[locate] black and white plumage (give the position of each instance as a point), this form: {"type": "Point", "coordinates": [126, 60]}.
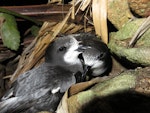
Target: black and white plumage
{"type": "Point", "coordinates": [94, 61]}
{"type": "Point", "coordinates": [64, 52]}
{"type": "Point", "coordinates": [43, 87]}
{"type": "Point", "coordinates": [86, 42]}
{"type": "Point", "coordinates": [96, 54]}
{"type": "Point", "coordinates": [37, 90]}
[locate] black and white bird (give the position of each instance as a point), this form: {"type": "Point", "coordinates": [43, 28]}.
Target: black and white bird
{"type": "Point", "coordinates": [43, 87]}
{"type": "Point", "coordinates": [93, 48]}
{"type": "Point", "coordinates": [94, 63]}
{"type": "Point", "coordinates": [39, 89]}
{"type": "Point", "coordinates": [64, 51]}
{"type": "Point", "coordinates": [96, 54]}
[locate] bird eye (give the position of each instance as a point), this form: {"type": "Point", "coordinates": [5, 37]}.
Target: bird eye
{"type": "Point", "coordinates": [63, 48]}
{"type": "Point", "coordinates": [100, 56]}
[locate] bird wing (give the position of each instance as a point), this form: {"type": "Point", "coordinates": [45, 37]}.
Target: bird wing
{"type": "Point", "coordinates": [21, 103]}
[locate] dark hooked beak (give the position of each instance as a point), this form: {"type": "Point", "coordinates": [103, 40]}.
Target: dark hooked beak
{"type": "Point", "coordinates": [86, 69]}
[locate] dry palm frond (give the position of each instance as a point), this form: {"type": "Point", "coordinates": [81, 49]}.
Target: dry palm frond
{"type": "Point", "coordinates": [73, 10]}
{"type": "Point", "coordinates": [35, 51]}
{"type": "Point", "coordinates": [85, 4]}
{"type": "Point", "coordinates": [99, 8]}
{"type": "Point", "coordinates": [99, 14]}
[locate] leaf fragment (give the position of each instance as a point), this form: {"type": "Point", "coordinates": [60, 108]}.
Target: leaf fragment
{"type": "Point", "coordinates": [99, 8]}
{"type": "Point", "coordinates": [9, 32]}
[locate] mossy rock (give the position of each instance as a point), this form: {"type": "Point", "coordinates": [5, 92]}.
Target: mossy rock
{"type": "Point", "coordinates": [140, 53]}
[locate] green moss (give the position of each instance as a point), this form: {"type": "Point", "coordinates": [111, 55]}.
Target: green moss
{"type": "Point", "coordinates": [120, 83]}
{"type": "Point", "coordinates": [119, 41]}
{"type": "Point", "coordinates": [128, 30]}
{"type": "Point", "coordinates": [9, 32]}
{"type": "Point", "coordinates": [123, 82]}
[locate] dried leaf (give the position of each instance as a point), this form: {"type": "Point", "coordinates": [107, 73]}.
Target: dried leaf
{"type": "Point", "coordinates": [99, 8]}
{"type": "Point", "coordinates": [73, 10]}
{"type": "Point", "coordinates": [76, 88]}
{"type": "Point", "coordinates": [41, 43]}
{"type": "Point", "coordinates": [85, 4]}
{"type": "Point", "coordinates": [75, 29]}
{"type": "Point", "coordinates": [68, 27]}
{"type": "Point", "coordinates": [120, 83]}
{"type": "Point", "coordinates": [63, 105]}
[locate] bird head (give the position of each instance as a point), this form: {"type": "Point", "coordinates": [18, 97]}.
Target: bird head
{"type": "Point", "coordinates": [64, 51]}
{"type": "Point", "coordinates": [95, 58]}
